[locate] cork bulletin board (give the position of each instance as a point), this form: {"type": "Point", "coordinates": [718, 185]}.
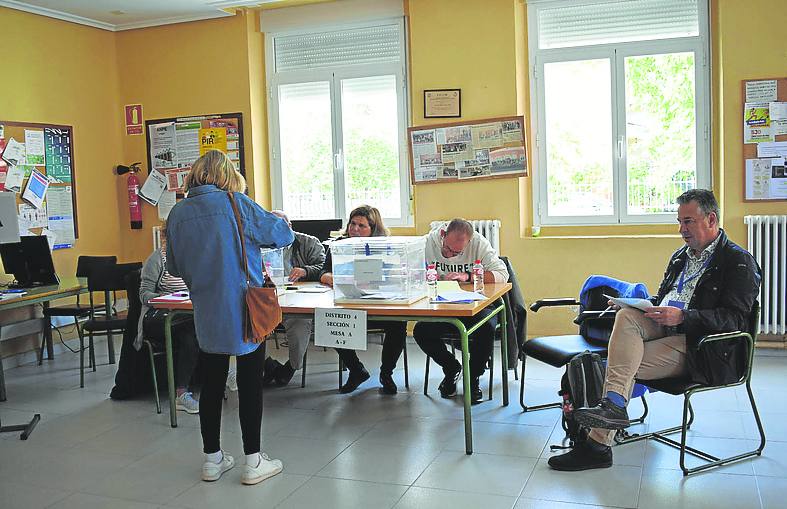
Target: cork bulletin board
{"type": "Point", "coordinates": [469, 150]}
{"type": "Point", "coordinates": [44, 154]}
{"type": "Point", "coordinates": [764, 120]}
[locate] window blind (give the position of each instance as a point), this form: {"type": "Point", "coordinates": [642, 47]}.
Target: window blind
{"type": "Point", "coordinates": [568, 24]}
{"type": "Point", "coordinates": [319, 50]}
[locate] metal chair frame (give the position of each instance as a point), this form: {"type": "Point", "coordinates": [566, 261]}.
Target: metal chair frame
{"type": "Point", "coordinates": [688, 412]}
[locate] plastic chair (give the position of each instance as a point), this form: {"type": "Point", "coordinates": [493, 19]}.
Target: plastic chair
{"type": "Point", "coordinates": [85, 264]}
{"type": "Point", "coordinates": [106, 280]}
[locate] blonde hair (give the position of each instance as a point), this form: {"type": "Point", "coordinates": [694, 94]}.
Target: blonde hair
{"type": "Point", "coordinates": [373, 216]}
{"type": "Point", "coordinates": [215, 168]}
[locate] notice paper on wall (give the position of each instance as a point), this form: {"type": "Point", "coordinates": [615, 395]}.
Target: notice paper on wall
{"type": "Point", "coordinates": [34, 146]}
{"type": "Point", "coordinates": [31, 217]}
{"type": "Point", "coordinates": [14, 178]}
{"type": "Point", "coordinates": [761, 91]}
{"type": "Point", "coordinates": [165, 204]}
{"type": "Point", "coordinates": [766, 179]}
{"type": "Point", "coordinates": [14, 152]}
{"type": "Point", "coordinates": [757, 123]}
{"type": "Point", "coordinates": [36, 189]}
{"type": "Point", "coordinates": [60, 212]}
{"type": "Point", "coordinates": [153, 187]}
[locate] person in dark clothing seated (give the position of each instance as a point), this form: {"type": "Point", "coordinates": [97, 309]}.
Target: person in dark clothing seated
{"type": "Point", "coordinates": [709, 287]}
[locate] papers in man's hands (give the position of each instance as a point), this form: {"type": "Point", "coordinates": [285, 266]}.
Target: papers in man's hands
{"type": "Point", "coordinates": [641, 304]}
{"type": "Point", "coordinates": [457, 297]}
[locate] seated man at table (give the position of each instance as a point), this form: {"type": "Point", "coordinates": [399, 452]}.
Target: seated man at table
{"type": "Point", "coordinates": [710, 286]}
{"type": "Point", "coordinates": [453, 249]}
{"type": "Point", "coordinates": [303, 260]}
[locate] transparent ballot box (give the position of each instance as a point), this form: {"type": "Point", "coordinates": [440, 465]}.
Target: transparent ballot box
{"type": "Point", "coordinates": [381, 270]}
{"type": "Point", "coordinates": [273, 265]}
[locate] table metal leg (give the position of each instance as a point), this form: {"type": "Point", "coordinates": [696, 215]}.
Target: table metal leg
{"type": "Point", "coordinates": [466, 387]}
{"type": "Point", "coordinates": [173, 417]}
{"type": "Point", "coordinates": [47, 326]}
{"type": "Point", "coordinates": [504, 354]}
{"type": "Point", "coordinates": [2, 382]}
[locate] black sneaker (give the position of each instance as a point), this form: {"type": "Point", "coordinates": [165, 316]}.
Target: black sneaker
{"type": "Point", "coordinates": [388, 386]}
{"type": "Point", "coordinates": [284, 373]}
{"type": "Point", "coordinates": [447, 387]}
{"type": "Point", "coordinates": [354, 379]}
{"type": "Point", "coordinates": [584, 456]}
{"type": "Point", "coordinates": [269, 370]}
{"type": "Point", "coordinates": [476, 396]}
{"type": "Point", "coordinates": [606, 415]}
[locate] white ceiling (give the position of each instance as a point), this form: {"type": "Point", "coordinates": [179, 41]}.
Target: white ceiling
{"type": "Point", "coordinates": [117, 15]}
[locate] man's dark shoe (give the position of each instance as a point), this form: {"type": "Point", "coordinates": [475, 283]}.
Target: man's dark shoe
{"type": "Point", "coordinates": [269, 370]}
{"type": "Point", "coordinates": [476, 396]}
{"type": "Point", "coordinates": [284, 374]}
{"type": "Point", "coordinates": [354, 379]}
{"type": "Point", "coordinates": [584, 456]}
{"type": "Point", "coordinates": [447, 387]}
{"type": "Point", "coordinates": [606, 415]}
{"type": "Point", "coordinates": [388, 386]}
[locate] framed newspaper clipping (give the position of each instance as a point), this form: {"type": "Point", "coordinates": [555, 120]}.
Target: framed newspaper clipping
{"type": "Point", "coordinates": [480, 149]}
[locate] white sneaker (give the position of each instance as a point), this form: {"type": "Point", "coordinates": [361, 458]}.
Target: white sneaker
{"type": "Point", "coordinates": [212, 471]}
{"type": "Point", "coordinates": [232, 380]}
{"type": "Point", "coordinates": [266, 468]}
{"type": "Point", "coordinates": [187, 403]}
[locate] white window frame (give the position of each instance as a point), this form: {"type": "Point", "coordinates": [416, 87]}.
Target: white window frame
{"type": "Point", "coordinates": [616, 52]}
{"type": "Point", "coordinates": [334, 76]}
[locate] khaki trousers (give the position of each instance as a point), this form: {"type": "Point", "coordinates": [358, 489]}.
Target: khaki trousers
{"type": "Point", "coordinates": [639, 348]}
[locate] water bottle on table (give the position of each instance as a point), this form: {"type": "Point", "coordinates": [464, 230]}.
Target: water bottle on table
{"type": "Point", "coordinates": [478, 276]}
{"type": "Point", "coordinates": [431, 281]}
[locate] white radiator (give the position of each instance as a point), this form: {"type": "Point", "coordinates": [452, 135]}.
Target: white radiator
{"type": "Point", "coordinates": [767, 242]}
{"type": "Point", "coordinates": [489, 228]}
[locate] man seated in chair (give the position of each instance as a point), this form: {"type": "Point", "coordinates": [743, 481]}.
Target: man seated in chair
{"type": "Point", "coordinates": [709, 287]}
{"type": "Point", "coordinates": [453, 249]}
{"type": "Point", "coordinates": [303, 259]}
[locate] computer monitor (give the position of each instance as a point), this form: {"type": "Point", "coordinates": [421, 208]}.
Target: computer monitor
{"type": "Point", "coordinates": [30, 261]}
{"type": "Point", "coordinates": [320, 228]}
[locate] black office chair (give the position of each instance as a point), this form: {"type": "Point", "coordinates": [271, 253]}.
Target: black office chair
{"type": "Point", "coordinates": [595, 326]}
{"type": "Point", "coordinates": [78, 310]}
{"type": "Point", "coordinates": [107, 280]}
{"type": "Point", "coordinates": [735, 350]}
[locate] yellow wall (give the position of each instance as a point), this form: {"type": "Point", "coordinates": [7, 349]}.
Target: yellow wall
{"type": "Point", "coordinates": [217, 66]}
{"type": "Point", "coordinates": [63, 73]}
{"type": "Point", "coordinates": [204, 67]}
{"type": "Point", "coordinates": [742, 54]}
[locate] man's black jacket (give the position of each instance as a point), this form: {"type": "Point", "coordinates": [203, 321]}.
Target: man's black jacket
{"type": "Point", "coordinates": [724, 295]}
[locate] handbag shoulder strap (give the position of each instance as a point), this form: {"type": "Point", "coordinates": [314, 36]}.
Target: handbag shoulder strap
{"type": "Point", "coordinates": [244, 260]}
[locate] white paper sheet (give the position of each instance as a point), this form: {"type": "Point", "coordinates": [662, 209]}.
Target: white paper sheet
{"type": "Point", "coordinates": [35, 192]}
{"type": "Point", "coordinates": [34, 146]}
{"type": "Point", "coordinates": [153, 187]}
{"type": "Point", "coordinates": [165, 204]}
{"type": "Point", "coordinates": [14, 152]}
{"type": "Point", "coordinates": [60, 211]}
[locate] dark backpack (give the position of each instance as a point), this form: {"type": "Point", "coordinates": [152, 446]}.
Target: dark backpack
{"type": "Point", "coordinates": [582, 385]}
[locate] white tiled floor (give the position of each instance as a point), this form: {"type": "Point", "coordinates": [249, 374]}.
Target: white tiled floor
{"type": "Point", "coordinates": [368, 450]}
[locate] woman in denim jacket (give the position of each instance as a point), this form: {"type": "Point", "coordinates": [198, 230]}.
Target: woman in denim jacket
{"type": "Point", "coordinates": [204, 249]}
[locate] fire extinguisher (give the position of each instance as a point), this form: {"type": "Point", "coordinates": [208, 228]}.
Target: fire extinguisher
{"type": "Point", "coordinates": [132, 184]}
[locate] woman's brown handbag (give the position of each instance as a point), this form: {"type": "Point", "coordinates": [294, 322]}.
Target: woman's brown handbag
{"type": "Point", "coordinates": [263, 312]}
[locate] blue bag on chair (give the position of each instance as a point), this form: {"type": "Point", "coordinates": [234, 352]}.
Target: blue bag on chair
{"type": "Point", "coordinates": [622, 289]}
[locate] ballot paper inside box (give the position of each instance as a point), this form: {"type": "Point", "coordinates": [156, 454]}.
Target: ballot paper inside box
{"type": "Point", "coordinates": [379, 270]}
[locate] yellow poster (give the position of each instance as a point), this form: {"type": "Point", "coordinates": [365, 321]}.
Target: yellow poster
{"type": "Point", "coordinates": [211, 138]}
